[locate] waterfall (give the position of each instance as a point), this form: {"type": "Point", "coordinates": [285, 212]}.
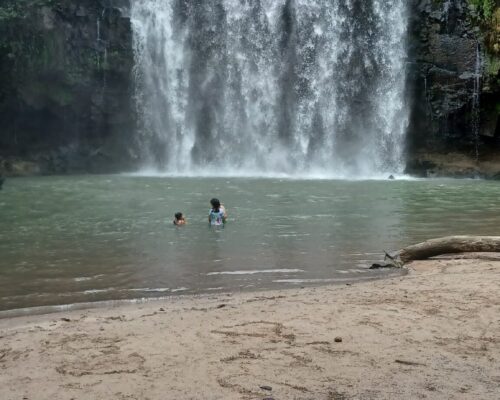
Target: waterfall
{"type": "Point", "coordinates": [476, 99]}
{"type": "Point", "coordinates": [257, 87]}
{"type": "Point", "coordinates": [446, 12]}
{"type": "Point", "coordinates": [98, 56]}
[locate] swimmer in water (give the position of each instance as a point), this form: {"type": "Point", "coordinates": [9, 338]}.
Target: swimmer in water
{"type": "Point", "coordinates": [179, 219]}
{"type": "Point", "coordinates": [217, 215]}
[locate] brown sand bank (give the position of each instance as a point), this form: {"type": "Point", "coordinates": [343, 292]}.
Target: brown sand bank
{"type": "Point", "coordinates": [433, 334]}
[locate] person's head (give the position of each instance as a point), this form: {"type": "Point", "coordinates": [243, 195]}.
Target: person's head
{"type": "Point", "coordinates": [215, 204]}
{"type": "Point", "coordinates": [179, 216]}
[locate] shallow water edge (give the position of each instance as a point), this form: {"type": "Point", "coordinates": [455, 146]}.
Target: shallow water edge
{"type": "Point", "coordinates": [111, 304]}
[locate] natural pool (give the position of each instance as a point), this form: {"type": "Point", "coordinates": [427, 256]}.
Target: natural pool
{"type": "Point", "coordinates": [76, 239]}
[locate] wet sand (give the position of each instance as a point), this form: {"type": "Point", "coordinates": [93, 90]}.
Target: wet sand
{"type": "Point", "coordinates": [432, 334]}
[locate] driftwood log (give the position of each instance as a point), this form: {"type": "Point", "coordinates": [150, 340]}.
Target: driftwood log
{"type": "Point", "coordinates": [440, 246]}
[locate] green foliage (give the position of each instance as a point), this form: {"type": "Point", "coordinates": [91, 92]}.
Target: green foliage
{"type": "Point", "coordinates": [485, 8]}
{"type": "Point", "coordinates": [492, 65]}
{"type": "Point", "coordinates": [15, 9]}
{"type": "Point", "coordinates": [8, 12]}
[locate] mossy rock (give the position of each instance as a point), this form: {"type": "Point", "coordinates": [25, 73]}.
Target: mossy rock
{"type": "Point", "coordinates": [17, 167]}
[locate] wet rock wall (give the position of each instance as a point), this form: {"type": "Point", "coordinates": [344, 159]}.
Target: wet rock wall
{"type": "Point", "coordinates": [454, 88]}
{"type": "Point", "coordinates": [66, 95]}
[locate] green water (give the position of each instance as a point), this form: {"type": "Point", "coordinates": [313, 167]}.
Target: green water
{"type": "Point", "coordinates": [65, 240]}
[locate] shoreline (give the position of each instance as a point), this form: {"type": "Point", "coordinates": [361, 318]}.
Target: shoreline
{"type": "Point", "coordinates": [433, 333]}
{"type": "Point", "coordinates": [117, 303]}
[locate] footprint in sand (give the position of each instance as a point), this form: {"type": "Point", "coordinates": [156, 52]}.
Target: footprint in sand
{"type": "Point", "coordinates": [273, 331]}
{"type": "Point", "coordinates": [85, 355]}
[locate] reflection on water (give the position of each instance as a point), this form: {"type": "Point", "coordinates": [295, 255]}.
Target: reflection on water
{"type": "Point", "coordinates": [80, 239]}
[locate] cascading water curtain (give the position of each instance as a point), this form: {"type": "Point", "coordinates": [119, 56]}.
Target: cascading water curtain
{"type": "Point", "coordinates": [266, 87]}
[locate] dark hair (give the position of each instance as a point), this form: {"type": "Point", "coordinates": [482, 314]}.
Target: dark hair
{"type": "Point", "coordinates": [178, 215]}
{"type": "Point", "coordinates": [215, 204]}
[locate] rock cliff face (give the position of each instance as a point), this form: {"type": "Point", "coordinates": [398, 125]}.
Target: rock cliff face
{"type": "Point", "coordinates": [65, 86]}
{"type": "Point", "coordinates": [454, 88]}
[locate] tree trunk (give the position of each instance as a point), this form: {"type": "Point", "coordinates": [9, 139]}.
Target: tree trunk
{"type": "Point", "coordinates": [445, 245]}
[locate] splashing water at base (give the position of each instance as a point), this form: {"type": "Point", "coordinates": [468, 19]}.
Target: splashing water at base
{"type": "Point", "coordinates": [268, 87]}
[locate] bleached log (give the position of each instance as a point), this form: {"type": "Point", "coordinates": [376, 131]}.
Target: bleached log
{"type": "Point", "coordinates": [444, 245]}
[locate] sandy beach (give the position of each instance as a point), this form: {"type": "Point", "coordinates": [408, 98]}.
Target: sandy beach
{"type": "Point", "coordinates": [432, 334]}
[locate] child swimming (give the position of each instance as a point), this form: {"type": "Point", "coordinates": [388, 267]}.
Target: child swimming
{"type": "Point", "coordinates": [217, 215]}
{"type": "Point", "coordinates": [179, 219]}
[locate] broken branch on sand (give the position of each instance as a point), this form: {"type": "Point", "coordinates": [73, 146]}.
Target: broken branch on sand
{"type": "Point", "coordinates": [437, 247]}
